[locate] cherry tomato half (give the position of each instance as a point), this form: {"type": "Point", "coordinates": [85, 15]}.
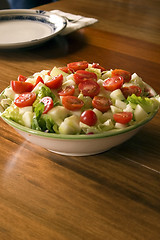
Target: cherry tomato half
{"type": "Point", "coordinates": [96, 65]}
{"type": "Point", "coordinates": [128, 91]}
{"type": "Point", "coordinates": [88, 117]}
{"type": "Point", "coordinates": [21, 78]}
{"type": "Point", "coordinates": [55, 82]}
{"type": "Point", "coordinates": [66, 70]}
{"type": "Point", "coordinates": [113, 83]}
{"type": "Point", "coordinates": [123, 117]}
{"type": "Point", "coordinates": [21, 87]}
{"type": "Point", "coordinates": [122, 73]}
{"type": "Point", "coordinates": [68, 91]}
{"type": "Point", "coordinates": [25, 99]}
{"type": "Point", "coordinates": [101, 103]}
{"type": "Point", "coordinates": [39, 79]}
{"type": "Point", "coordinates": [48, 104]}
{"type": "Point", "coordinates": [49, 73]}
{"type": "Point", "coordinates": [78, 65]}
{"type": "Point", "coordinates": [89, 88]}
{"type": "Point", "coordinates": [82, 75]}
{"type": "Point", "coordinates": [72, 103]}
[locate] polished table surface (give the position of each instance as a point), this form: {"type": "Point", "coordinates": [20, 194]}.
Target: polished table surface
{"type": "Point", "coordinates": [114, 195]}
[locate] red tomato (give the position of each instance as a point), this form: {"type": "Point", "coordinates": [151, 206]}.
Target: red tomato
{"type": "Point", "coordinates": [48, 104]}
{"type": "Point", "coordinates": [49, 73]}
{"type": "Point", "coordinates": [21, 78]}
{"type": "Point", "coordinates": [21, 87]}
{"type": "Point", "coordinates": [101, 103]}
{"type": "Point", "coordinates": [82, 75]}
{"type": "Point", "coordinates": [66, 70]}
{"type": "Point", "coordinates": [113, 83]}
{"type": "Point", "coordinates": [96, 65]}
{"type": "Point", "coordinates": [128, 91]}
{"type": "Point", "coordinates": [88, 117]}
{"type": "Point", "coordinates": [89, 88]}
{"type": "Point", "coordinates": [123, 117]}
{"type": "Point", "coordinates": [39, 79]}
{"type": "Point", "coordinates": [55, 82]}
{"type": "Point", "coordinates": [122, 73]}
{"type": "Point", "coordinates": [25, 99]}
{"type": "Point", "coordinates": [72, 103]}
{"type": "Point", "coordinates": [78, 65]}
{"type": "Point", "coordinates": [68, 91]}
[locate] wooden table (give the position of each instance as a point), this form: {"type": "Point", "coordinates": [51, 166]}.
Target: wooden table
{"type": "Point", "coordinates": [110, 196]}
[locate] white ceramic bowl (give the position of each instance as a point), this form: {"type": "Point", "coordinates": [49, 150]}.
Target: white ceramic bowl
{"type": "Point", "coordinates": [78, 145]}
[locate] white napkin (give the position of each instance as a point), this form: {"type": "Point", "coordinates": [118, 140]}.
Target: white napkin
{"type": "Point", "coordinates": [74, 22]}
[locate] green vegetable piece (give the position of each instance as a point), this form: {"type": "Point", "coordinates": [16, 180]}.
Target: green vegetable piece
{"type": "Point", "coordinates": [39, 108]}
{"type": "Point", "coordinates": [43, 122]}
{"type": "Point", "coordinates": [148, 104]}
{"type": "Point", "coordinates": [45, 91]}
{"type": "Point", "coordinates": [12, 112]}
{"type": "Point", "coordinates": [96, 71]}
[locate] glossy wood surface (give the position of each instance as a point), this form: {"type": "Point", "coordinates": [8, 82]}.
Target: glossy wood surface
{"type": "Point", "coordinates": [114, 195]}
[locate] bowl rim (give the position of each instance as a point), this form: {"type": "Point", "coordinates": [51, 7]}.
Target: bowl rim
{"type": "Point", "coordinates": [105, 134]}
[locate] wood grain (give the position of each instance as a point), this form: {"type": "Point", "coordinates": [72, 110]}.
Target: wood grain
{"type": "Point", "coordinates": [114, 195]}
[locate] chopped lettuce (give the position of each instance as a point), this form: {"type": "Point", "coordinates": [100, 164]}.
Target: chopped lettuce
{"type": "Point", "coordinates": [106, 126]}
{"type": "Point", "coordinates": [87, 101]}
{"type": "Point", "coordinates": [6, 102]}
{"type": "Point", "coordinates": [94, 70]}
{"type": "Point", "coordinates": [136, 80]}
{"type": "Point", "coordinates": [45, 91]}
{"type": "Point", "coordinates": [88, 129]}
{"type": "Point", "coordinates": [12, 112]}
{"type": "Point", "coordinates": [43, 122]}
{"type": "Point", "coordinates": [98, 128]}
{"type": "Point", "coordinates": [150, 105]}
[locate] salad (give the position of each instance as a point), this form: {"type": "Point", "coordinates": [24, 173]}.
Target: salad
{"type": "Point", "coordinates": [80, 98]}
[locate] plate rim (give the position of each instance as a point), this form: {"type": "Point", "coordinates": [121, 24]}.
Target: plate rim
{"type": "Point", "coordinates": [37, 13]}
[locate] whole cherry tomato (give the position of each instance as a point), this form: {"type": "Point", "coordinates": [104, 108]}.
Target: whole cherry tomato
{"type": "Point", "coordinates": [88, 117]}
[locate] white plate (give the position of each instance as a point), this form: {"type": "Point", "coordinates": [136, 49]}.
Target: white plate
{"type": "Point", "coordinates": [25, 28]}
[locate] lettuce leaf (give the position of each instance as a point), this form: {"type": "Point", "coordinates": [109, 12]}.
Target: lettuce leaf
{"type": "Point", "coordinates": [148, 104]}
{"type": "Point", "coordinates": [12, 113]}
{"type": "Point", "coordinates": [94, 70]}
{"type": "Point", "coordinates": [45, 91]}
{"type": "Point", "coordinates": [43, 122]}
